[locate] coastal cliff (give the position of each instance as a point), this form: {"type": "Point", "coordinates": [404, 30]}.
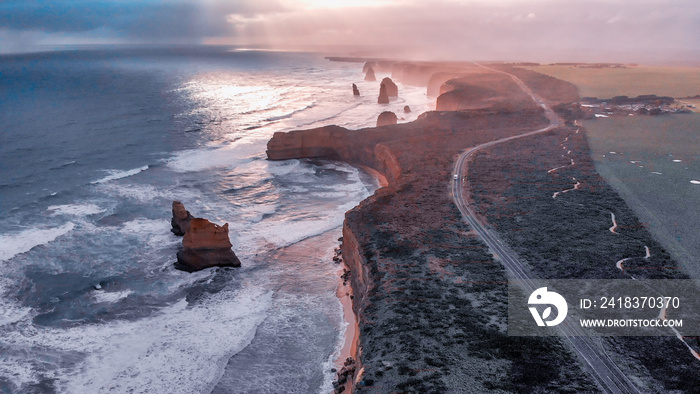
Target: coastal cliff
{"type": "Point", "coordinates": [425, 287]}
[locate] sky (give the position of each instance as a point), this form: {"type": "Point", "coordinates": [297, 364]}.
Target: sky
{"type": "Point", "coordinates": [524, 30]}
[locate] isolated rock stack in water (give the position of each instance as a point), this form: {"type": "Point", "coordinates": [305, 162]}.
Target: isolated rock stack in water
{"type": "Point", "coordinates": [205, 244]}
{"type": "Point", "coordinates": [369, 76]}
{"type": "Point", "coordinates": [181, 219]}
{"type": "Point", "coordinates": [383, 96]}
{"type": "Point", "coordinates": [355, 90]}
{"type": "Point", "coordinates": [391, 89]}
{"type": "Point", "coordinates": [386, 118]}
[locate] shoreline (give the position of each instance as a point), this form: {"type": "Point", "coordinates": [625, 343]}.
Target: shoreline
{"type": "Point", "coordinates": [345, 294]}
{"type": "Point", "coordinates": [402, 253]}
{"type": "Point", "coordinates": [352, 329]}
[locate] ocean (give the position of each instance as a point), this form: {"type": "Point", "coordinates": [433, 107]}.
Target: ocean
{"type": "Point", "coordinates": [94, 147]}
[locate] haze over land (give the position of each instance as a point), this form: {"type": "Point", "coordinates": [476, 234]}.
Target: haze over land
{"type": "Point", "coordinates": [652, 31]}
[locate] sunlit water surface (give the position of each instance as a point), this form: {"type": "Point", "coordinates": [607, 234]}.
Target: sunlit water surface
{"type": "Point", "coordinates": [94, 147]}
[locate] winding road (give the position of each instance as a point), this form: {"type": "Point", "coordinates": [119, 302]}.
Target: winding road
{"type": "Point", "coordinates": [602, 368]}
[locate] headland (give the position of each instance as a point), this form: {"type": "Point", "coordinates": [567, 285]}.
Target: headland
{"type": "Point", "coordinates": [429, 296]}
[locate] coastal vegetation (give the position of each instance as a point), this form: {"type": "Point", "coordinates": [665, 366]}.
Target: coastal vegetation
{"type": "Point", "coordinates": [571, 235]}
{"type": "Point", "coordinates": [430, 299]}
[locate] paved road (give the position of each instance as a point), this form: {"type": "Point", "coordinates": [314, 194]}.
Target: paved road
{"type": "Point", "coordinates": [603, 369]}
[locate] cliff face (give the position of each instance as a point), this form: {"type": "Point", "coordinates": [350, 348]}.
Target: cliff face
{"type": "Point", "coordinates": [415, 269]}
{"type": "Point", "coordinates": [482, 89]}
{"type": "Point", "coordinates": [360, 147]}
{"type": "Point", "coordinates": [181, 219]}
{"type": "Point", "coordinates": [205, 244]}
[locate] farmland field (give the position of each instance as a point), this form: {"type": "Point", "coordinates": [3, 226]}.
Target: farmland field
{"type": "Point", "coordinates": [630, 81]}
{"type": "Point", "coordinates": [651, 161]}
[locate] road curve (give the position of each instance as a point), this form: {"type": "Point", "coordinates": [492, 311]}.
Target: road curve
{"type": "Point", "coordinates": [603, 369]}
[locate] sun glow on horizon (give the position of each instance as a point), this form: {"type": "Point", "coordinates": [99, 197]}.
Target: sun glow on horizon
{"type": "Point", "coordinates": [318, 4]}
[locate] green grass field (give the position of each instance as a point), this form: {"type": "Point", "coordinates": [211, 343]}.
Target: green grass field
{"type": "Point", "coordinates": [631, 81]}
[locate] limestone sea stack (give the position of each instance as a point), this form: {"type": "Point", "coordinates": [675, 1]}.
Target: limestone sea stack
{"type": "Point", "coordinates": [367, 66]}
{"type": "Point", "coordinates": [407, 109]}
{"type": "Point", "coordinates": [383, 96]}
{"type": "Point", "coordinates": [181, 219]}
{"type": "Point", "coordinates": [386, 118]}
{"type": "Point", "coordinates": [355, 90]}
{"type": "Point", "coordinates": [370, 75]}
{"type": "Point", "coordinates": [206, 245]}
{"type": "Point", "coordinates": [391, 89]}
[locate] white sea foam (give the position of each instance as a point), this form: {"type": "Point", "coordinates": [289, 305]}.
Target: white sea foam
{"type": "Point", "coordinates": [227, 156]}
{"type": "Point", "coordinates": [601, 116]}
{"type": "Point", "coordinates": [156, 232]}
{"type": "Point", "coordinates": [254, 213]}
{"type": "Point", "coordinates": [146, 193]}
{"type": "Point", "coordinates": [695, 182]}
{"type": "Point", "coordinates": [656, 172]}
{"type": "Point", "coordinates": [287, 232]}
{"type": "Point", "coordinates": [12, 313]}
{"type": "Point", "coordinates": [75, 209]}
{"type": "Point", "coordinates": [182, 349]}
{"type": "Point", "coordinates": [290, 114]}
{"type": "Point", "coordinates": [24, 241]}
{"type": "Point", "coordinates": [18, 371]}
{"type": "Point", "coordinates": [110, 297]}
{"type": "Point", "coordinates": [282, 167]}
{"type": "Point", "coordinates": [677, 161]}
{"type": "Point", "coordinates": [116, 174]}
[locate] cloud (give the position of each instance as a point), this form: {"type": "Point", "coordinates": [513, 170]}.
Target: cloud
{"type": "Point", "coordinates": [545, 29]}
{"type": "Point", "coordinates": [150, 20]}
{"type": "Point", "coordinates": [456, 29]}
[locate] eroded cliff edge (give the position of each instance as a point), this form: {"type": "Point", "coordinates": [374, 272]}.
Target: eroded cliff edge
{"type": "Point", "coordinates": [429, 298]}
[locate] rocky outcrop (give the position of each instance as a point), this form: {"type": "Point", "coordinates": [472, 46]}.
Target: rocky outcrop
{"type": "Point", "coordinates": [391, 89]}
{"type": "Point", "coordinates": [383, 95]}
{"type": "Point", "coordinates": [438, 79]}
{"type": "Point", "coordinates": [406, 248]}
{"type": "Point", "coordinates": [369, 76]}
{"type": "Point", "coordinates": [407, 109]}
{"type": "Point", "coordinates": [355, 90]}
{"type": "Point", "coordinates": [181, 219]}
{"type": "Point", "coordinates": [359, 147]}
{"type": "Point", "coordinates": [206, 245]}
{"type": "Point", "coordinates": [414, 74]}
{"type": "Point", "coordinates": [386, 118]}
{"type": "Point", "coordinates": [482, 90]}
{"type": "Point", "coordinates": [367, 66]}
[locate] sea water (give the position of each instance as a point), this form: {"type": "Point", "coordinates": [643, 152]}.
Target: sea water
{"type": "Point", "coordinates": [94, 147]}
